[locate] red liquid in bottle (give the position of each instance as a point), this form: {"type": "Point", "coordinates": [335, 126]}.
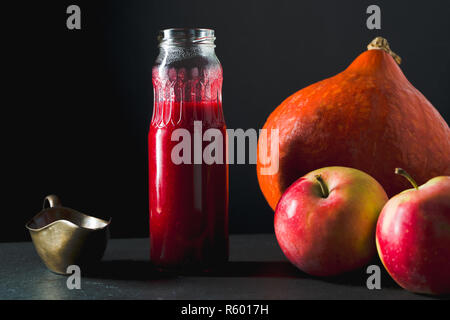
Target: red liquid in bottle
{"type": "Point", "coordinates": [188, 202]}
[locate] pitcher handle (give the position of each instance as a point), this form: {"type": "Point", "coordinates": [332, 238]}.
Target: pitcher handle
{"type": "Point", "coordinates": [52, 200]}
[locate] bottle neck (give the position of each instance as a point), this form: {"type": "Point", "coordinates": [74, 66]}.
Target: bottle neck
{"type": "Point", "coordinates": [177, 45]}
{"type": "Point", "coordinates": [186, 51]}
{"type": "Point", "coordinates": [187, 78]}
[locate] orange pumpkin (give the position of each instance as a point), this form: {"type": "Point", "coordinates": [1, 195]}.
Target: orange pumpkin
{"type": "Point", "coordinates": [368, 117]}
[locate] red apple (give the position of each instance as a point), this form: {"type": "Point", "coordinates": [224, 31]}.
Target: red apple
{"type": "Point", "coordinates": [413, 236]}
{"type": "Point", "coordinates": [325, 221]}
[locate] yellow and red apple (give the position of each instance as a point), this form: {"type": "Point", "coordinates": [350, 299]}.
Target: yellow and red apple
{"type": "Point", "coordinates": [413, 236]}
{"type": "Point", "coordinates": [325, 222]}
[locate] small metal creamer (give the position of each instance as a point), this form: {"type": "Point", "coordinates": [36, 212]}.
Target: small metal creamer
{"type": "Point", "coordinates": [64, 237]}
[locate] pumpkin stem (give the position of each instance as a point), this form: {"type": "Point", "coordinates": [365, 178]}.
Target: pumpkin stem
{"type": "Point", "coordinates": [402, 172]}
{"type": "Point", "coordinates": [323, 186]}
{"type": "Point", "coordinates": [380, 43]}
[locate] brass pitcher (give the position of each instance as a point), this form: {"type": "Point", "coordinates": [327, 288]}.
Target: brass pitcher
{"type": "Point", "coordinates": [64, 237]}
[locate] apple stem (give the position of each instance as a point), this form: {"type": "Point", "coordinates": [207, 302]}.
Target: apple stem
{"type": "Point", "coordinates": [323, 186]}
{"type": "Point", "coordinates": [402, 172]}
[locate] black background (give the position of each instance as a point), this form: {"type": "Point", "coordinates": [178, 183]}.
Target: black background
{"type": "Point", "coordinates": [77, 104]}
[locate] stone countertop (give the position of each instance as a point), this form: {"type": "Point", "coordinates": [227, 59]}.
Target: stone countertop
{"type": "Point", "coordinates": [257, 270]}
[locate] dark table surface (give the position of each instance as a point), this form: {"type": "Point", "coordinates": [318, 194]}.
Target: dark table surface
{"type": "Point", "coordinates": [257, 270]}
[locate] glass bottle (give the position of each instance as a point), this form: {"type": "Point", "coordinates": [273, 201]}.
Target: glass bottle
{"type": "Point", "coordinates": [188, 192]}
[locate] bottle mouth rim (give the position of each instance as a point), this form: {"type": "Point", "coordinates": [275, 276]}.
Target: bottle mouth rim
{"type": "Point", "coordinates": [186, 36]}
